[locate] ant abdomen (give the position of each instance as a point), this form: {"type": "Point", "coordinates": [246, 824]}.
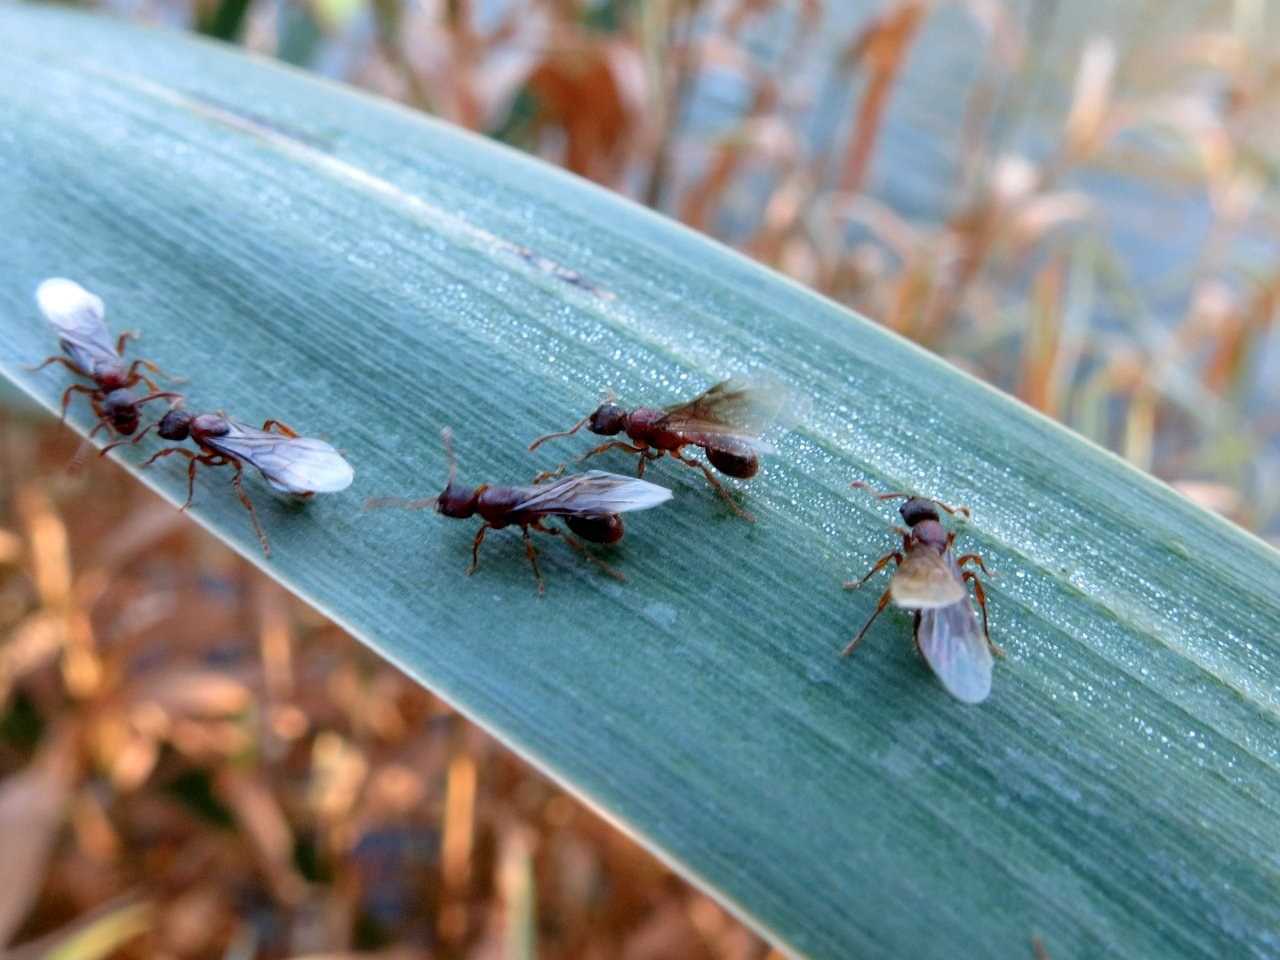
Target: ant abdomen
{"type": "Point", "coordinates": [607, 529]}
{"type": "Point", "coordinates": [733, 459]}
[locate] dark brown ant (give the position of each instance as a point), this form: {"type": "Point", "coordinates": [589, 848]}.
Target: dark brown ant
{"type": "Point", "coordinates": [929, 580]}
{"type": "Point", "coordinates": [589, 503]}
{"type": "Point", "coordinates": [78, 315]}
{"type": "Point", "coordinates": [299, 466]}
{"type": "Point", "coordinates": [725, 421]}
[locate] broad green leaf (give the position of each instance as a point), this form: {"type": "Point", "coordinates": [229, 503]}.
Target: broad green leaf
{"type": "Point", "coordinates": [304, 252]}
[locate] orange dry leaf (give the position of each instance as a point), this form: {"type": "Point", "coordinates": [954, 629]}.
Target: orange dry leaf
{"type": "Point", "coordinates": [32, 808]}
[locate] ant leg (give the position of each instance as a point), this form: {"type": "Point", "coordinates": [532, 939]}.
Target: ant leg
{"type": "Point", "coordinates": [532, 553]}
{"type": "Point", "coordinates": [475, 548]}
{"type": "Point", "coordinates": [973, 558]}
{"type": "Point", "coordinates": [981, 596]}
{"type": "Point", "coordinates": [75, 388]}
{"type": "Point", "coordinates": [620, 444]}
{"type": "Point", "coordinates": [133, 372]}
{"type": "Point", "coordinates": [546, 475]}
{"type": "Point", "coordinates": [191, 476]}
{"type": "Point", "coordinates": [282, 428]}
{"type": "Point", "coordinates": [716, 484]}
{"type": "Point", "coordinates": [165, 452]}
{"type": "Point", "coordinates": [131, 441]}
{"type": "Point", "coordinates": [125, 338]}
{"type": "Point", "coordinates": [244, 497]}
{"type": "Point", "coordinates": [855, 584]}
{"type": "Point", "coordinates": [645, 459]}
{"type": "Point", "coordinates": [884, 602]}
{"type": "Point", "coordinates": [134, 377]}
{"type": "Point", "coordinates": [191, 469]}
{"type": "Point", "coordinates": [65, 361]}
{"type": "Point", "coordinates": [582, 549]}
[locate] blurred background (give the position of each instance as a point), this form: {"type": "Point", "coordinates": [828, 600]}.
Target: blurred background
{"type": "Point", "coordinates": [1077, 202]}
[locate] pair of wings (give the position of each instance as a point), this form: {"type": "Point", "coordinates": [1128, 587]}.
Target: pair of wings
{"type": "Point", "coordinates": [592, 494]}
{"type": "Point", "coordinates": [738, 409]}
{"type": "Point", "coordinates": [947, 631]}
{"type": "Point", "coordinates": [78, 316]}
{"type": "Point", "coordinates": [297, 465]}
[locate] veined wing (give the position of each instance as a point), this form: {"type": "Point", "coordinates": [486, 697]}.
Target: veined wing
{"type": "Point", "coordinates": [926, 580]}
{"type": "Point", "coordinates": [954, 648]}
{"type": "Point", "coordinates": [78, 316]}
{"type": "Point", "coordinates": [593, 494]}
{"type": "Point", "coordinates": [738, 408]}
{"type": "Point", "coordinates": [290, 464]}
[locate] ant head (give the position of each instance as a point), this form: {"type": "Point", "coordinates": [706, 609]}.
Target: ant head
{"type": "Point", "coordinates": [608, 419]}
{"type": "Point", "coordinates": [121, 408]}
{"type": "Point", "coordinates": [453, 501]}
{"type": "Point", "coordinates": [175, 425]}
{"type": "Point", "coordinates": [917, 510]}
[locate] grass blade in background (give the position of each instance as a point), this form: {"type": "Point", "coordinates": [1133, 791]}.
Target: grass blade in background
{"type": "Point", "coordinates": [303, 252]}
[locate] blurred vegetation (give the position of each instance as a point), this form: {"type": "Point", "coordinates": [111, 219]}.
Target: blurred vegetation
{"type": "Point", "coordinates": [1075, 203]}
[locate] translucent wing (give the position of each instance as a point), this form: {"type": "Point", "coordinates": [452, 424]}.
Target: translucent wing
{"type": "Point", "coordinates": [290, 464]}
{"type": "Point", "coordinates": [926, 580]}
{"type": "Point", "coordinates": [737, 408]}
{"type": "Point", "coordinates": [593, 494]}
{"type": "Point", "coordinates": [78, 316]}
{"type": "Point", "coordinates": [953, 646]}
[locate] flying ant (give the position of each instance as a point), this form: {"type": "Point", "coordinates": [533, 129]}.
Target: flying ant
{"type": "Point", "coordinates": [929, 580]}
{"type": "Point", "coordinates": [589, 503]}
{"type": "Point", "coordinates": [725, 421]}
{"type": "Point", "coordinates": [78, 316]}
{"type": "Point", "coordinates": [300, 466]}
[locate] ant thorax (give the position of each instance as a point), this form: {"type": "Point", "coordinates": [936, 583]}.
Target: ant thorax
{"type": "Point", "coordinates": [644, 426]}
{"type": "Point", "coordinates": [110, 374]}
{"type": "Point", "coordinates": [931, 533]}
{"type": "Point", "coordinates": [210, 425]}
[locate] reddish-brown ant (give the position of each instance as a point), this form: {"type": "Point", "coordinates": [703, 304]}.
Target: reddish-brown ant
{"type": "Point", "coordinates": [299, 466]}
{"type": "Point", "coordinates": [589, 503]}
{"type": "Point", "coordinates": [725, 421]}
{"type": "Point", "coordinates": [930, 582]}
{"type": "Point", "coordinates": [78, 316]}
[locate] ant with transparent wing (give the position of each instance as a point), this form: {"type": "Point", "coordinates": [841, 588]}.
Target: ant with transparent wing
{"type": "Point", "coordinates": [929, 580]}
{"type": "Point", "coordinates": [78, 316]}
{"type": "Point", "coordinates": [299, 466]}
{"type": "Point", "coordinates": [589, 503]}
{"type": "Point", "coordinates": [725, 421]}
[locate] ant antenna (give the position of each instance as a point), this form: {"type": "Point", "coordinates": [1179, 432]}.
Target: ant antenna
{"type": "Point", "coordinates": [428, 503]}
{"type": "Point", "coordinates": [378, 503]}
{"type": "Point", "coordinates": [447, 436]}
{"type": "Point", "coordinates": [962, 511]}
{"type": "Point", "coordinates": [565, 433]}
{"type": "Point", "coordinates": [161, 393]}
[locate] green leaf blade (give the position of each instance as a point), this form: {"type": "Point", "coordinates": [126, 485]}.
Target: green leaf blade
{"type": "Point", "coordinates": [302, 252]}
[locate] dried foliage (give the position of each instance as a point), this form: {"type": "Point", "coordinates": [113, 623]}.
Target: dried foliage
{"type": "Point", "coordinates": [193, 764]}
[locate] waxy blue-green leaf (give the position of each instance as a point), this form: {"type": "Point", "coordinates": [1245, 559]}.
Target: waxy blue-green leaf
{"type": "Point", "coordinates": [304, 252]}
